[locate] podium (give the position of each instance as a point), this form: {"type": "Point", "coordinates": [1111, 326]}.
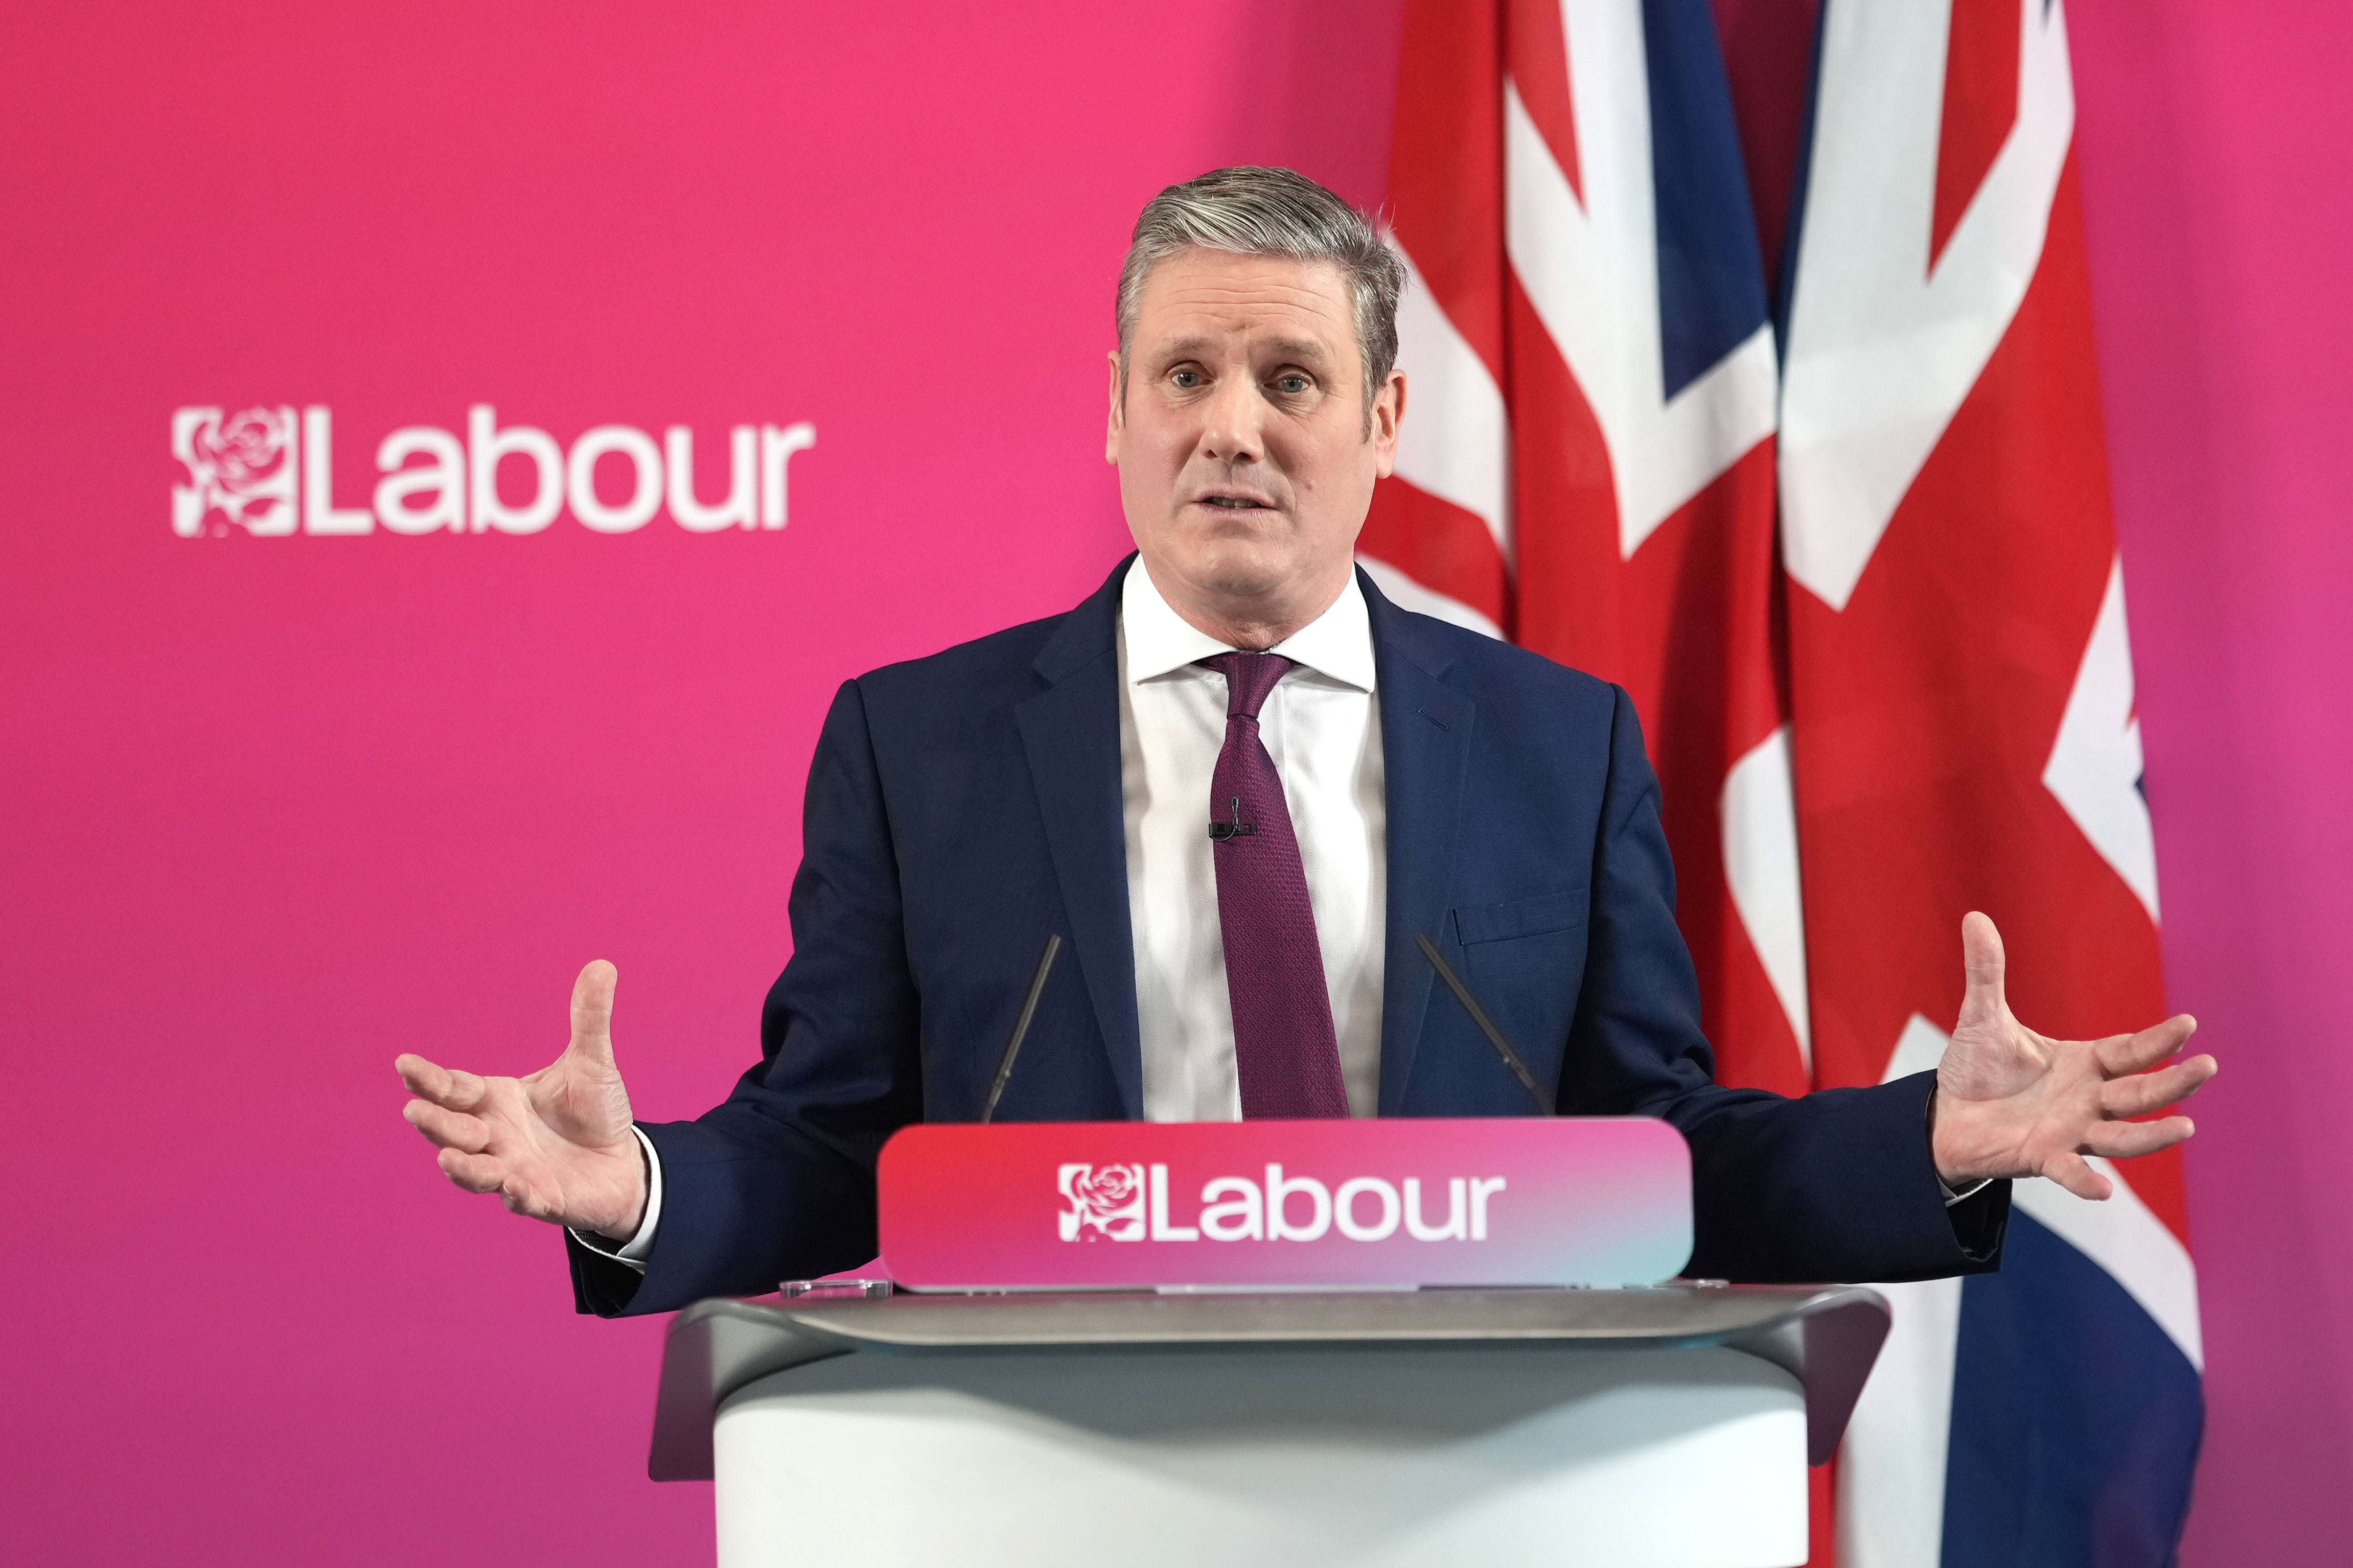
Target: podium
{"type": "Point", "coordinates": [1657, 1428]}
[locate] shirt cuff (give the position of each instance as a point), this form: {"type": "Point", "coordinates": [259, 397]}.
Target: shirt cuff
{"type": "Point", "coordinates": [635, 1251]}
{"type": "Point", "coordinates": [1972, 1189]}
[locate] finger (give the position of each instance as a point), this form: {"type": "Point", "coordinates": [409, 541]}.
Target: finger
{"type": "Point", "coordinates": [2130, 1140]}
{"type": "Point", "coordinates": [475, 1172]}
{"type": "Point", "coordinates": [419, 1076]}
{"type": "Point", "coordinates": [1982, 965]}
{"type": "Point", "coordinates": [592, 1011]}
{"type": "Point", "coordinates": [448, 1128]}
{"type": "Point", "coordinates": [2122, 1054]}
{"type": "Point", "coordinates": [442, 1086]}
{"type": "Point", "coordinates": [2144, 1092]}
{"type": "Point", "coordinates": [527, 1202]}
{"type": "Point", "coordinates": [2071, 1172]}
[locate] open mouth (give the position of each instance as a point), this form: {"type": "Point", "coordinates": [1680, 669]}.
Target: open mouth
{"type": "Point", "coordinates": [1235, 503]}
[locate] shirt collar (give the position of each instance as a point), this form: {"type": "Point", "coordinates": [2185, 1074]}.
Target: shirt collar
{"type": "Point", "coordinates": [1157, 640]}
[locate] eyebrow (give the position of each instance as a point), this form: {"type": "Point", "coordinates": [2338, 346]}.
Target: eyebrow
{"type": "Point", "coordinates": [1299, 348]}
{"type": "Point", "coordinates": [1289, 348]}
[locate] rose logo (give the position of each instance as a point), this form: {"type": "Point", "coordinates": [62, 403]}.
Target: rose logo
{"type": "Point", "coordinates": [240, 471]}
{"type": "Point", "coordinates": [1102, 1201]}
{"type": "Point", "coordinates": [246, 450]}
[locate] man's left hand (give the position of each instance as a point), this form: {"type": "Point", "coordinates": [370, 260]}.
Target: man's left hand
{"type": "Point", "coordinates": [2010, 1102]}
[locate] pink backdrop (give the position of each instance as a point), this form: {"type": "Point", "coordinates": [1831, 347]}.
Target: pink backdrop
{"type": "Point", "coordinates": [2217, 144]}
{"type": "Point", "coordinates": [278, 809]}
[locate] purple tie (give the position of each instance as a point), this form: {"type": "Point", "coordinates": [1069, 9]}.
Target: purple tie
{"type": "Point", "coordinates": [1285, 1052]}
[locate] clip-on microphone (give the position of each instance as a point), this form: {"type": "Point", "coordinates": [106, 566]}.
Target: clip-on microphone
{"type": "Point", "coordinates": [1233, 826]}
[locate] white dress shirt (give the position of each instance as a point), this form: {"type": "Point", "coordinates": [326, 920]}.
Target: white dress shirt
{"type": "Point", "coordinates": [1323, 728]}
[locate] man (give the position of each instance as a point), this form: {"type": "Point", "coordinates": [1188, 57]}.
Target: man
{"type": "Point", "coordinates": [1239, 783]}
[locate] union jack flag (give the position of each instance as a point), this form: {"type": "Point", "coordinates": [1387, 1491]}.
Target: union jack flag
{"type": "Point", "coordinates": [1587, 463]}
{"type": "Point", "coordinates": [1966, 739]}
{"type": "Point", "coordinates": [1927, 691]}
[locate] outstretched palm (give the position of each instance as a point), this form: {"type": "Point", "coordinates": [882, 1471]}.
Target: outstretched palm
{"type": "Point", "coordinates": [556, 1145]}
{"type": "Point", "coordinates": [2010, 1102]}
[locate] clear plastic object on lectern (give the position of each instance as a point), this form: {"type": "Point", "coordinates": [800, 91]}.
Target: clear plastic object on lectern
{"type": "Point", "coordinates": [832, 1288]}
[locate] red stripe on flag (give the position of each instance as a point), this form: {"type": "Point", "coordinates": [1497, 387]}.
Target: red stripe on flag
{"type": "Point", "coordinates": [1821, 1514]}
{"type": "Point", "coordinates": [1981, 63]}
{"type": "Point", "coordinates": [1537, 54]}
{"type": "Point", "coordinates": [1446, 164]}
{"type": "Point", "coordinates": [1565, 506]}
{"type": "Point", "coordinates": [1439, 546]}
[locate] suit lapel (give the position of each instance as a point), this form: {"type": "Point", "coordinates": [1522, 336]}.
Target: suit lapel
{"type": "Point", "coordinates": [1426, 748]}
{"type": "Point", "coordinates": [1070, 733]}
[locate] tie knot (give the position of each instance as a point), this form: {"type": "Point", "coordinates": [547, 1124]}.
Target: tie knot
{"type": "Point", "coordinates": [1249, 678]}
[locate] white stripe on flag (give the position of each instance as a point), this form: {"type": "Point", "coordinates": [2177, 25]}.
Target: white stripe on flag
{"type": "Point", "coordinates": [1760, 867]}
{"type": "Point", "coordinates": [1408, 594]}
{"type": "Point", "coordinates": [2095, 764]}
{"type": "Point", "coordinates": [1883, 351]}
{"type": "Point", "coordinates": [1890, 1478]}
{"type": "Point", "coordinates": [1455, 441]}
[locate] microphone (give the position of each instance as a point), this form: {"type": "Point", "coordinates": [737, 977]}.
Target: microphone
{"type": "Point", "coordinates": [1021, 1024]}
{"type": "Point", "coordinates": [1486, 1025]}
{"type": "Point", "coordinates": [1233, 826]}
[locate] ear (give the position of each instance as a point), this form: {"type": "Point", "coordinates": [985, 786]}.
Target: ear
{"type": "Point", "coordinates": [1389, 412]}
{"type": "Point", "coordinates": [1116, 419]}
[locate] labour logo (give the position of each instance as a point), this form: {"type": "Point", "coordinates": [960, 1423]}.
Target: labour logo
{"type": "Point", "coordinates": [241, 472]}
{"type": "Point", "coordinates": [263, 472]}
{"type": "Point", "coordinates": [1102, 1201]}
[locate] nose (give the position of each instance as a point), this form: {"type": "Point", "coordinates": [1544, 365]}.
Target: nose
{"type": "Point", "coordinates": [1233, 422]}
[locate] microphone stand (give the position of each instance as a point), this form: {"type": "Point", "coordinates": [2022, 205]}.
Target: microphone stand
{"type": "Point", "coordinates": [1021, 1026]}
{"type": "Point", "coordinates": [1486, 1025]}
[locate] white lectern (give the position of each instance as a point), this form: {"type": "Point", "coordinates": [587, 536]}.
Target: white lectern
{"type": "Point", "coordinates": [1636, 1428]}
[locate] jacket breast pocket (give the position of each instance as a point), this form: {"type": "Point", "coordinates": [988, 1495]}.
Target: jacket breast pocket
{"type": "Point", "coordinates": [1525, 960]}
{"type": "Point", "coordinates": [1543, 915]}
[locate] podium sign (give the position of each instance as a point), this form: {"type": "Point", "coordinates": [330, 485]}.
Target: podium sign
{"type": "Point", "coordinates": [1373, 1203]}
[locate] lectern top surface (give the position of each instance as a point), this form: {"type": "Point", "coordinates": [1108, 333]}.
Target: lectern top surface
{"type": "Point", "coordinates": [1673, 1313]}
{"type": "Point", "coordinates": [1826, 1336]}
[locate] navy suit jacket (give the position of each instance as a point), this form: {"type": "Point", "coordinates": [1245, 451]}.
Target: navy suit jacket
{"type": "Point", "coordinates": [962, 806]}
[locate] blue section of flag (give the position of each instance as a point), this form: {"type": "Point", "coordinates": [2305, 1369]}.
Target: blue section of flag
{"type": "Point", "coordinates": [1711, 274]}
{"type": "Point", "coordinates": [2076, 1418]}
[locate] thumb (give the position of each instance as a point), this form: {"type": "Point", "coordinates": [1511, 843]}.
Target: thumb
{"type": "Point", "coordinates": [591, 1012]}
{"type": "Point", "coordinates": [1981, 966]}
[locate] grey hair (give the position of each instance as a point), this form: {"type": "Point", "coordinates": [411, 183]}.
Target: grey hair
{"type": "Point", "coordinates": [1253, 211]}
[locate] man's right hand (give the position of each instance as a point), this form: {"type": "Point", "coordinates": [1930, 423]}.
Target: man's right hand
{"type": "Point", "coordinates": [556, 1145]}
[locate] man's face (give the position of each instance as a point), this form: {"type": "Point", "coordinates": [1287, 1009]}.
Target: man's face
{"type": "Point", "coordinates": [1246, 458]}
